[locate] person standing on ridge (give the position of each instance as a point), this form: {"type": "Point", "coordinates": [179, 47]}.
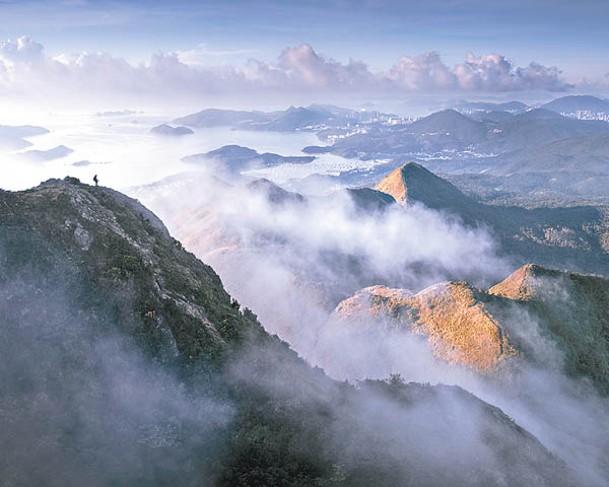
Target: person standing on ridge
{"type": "Point", "coordinates": [95, 179]}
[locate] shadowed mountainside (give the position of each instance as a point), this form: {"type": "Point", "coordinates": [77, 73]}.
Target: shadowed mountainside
{"type": "Point", "coordinates": [568, 238]}
{"type": "Point", "coordinates": [447, 132]}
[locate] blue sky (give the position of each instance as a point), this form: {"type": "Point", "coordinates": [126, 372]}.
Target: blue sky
{"type": "Point", "coordinates": [571, 35]}
{"type": "Point", "coordinates": [404, 46]}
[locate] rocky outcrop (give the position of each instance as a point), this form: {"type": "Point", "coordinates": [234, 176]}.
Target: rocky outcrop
{"type": "Point", "coordinates": [488, 330]}
{"type": "Point", "coordinates": [453, 316]}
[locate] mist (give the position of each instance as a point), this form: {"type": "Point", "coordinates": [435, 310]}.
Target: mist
{"type": "Point", "coordinates": [81, 403]}
{"type": "Point", "coordinates": [319, 250]}
{"type": "Point", "coordinates": [292, 261]}
{"type": "Point", "coordinates": [568, 415]}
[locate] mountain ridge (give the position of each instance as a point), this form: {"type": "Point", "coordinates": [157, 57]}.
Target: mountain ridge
{"type": "Point", "coordinates": [481, 329]}
{"type": "Point", "coordinates": [574, 103]}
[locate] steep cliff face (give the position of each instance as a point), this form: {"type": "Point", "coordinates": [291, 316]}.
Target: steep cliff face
{"type": "Point", "coordinates": [124, 362]}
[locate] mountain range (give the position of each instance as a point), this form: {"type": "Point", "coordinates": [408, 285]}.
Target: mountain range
{"type": "Point", "coordinates": [125, 361]}
{"type": "Point", "coordinates": [449, 130]}
{"type": "Point", "coordinates": [559, 154]}
{"type": "Point", "coordinates": [568, 105]}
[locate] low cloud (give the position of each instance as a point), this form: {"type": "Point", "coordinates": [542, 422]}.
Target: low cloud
{"type": "Point", "coordinates": [303, 66]}
{"type": "Point", "coordinates": [202, 54]}
{"type": "Point", "coordinates": [309, 256]}
{"type": "Point", "coordinates": [292, 262]}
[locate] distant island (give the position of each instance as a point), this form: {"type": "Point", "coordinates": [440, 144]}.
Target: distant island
{"type": "Point", "coordinates": [47, 155]}
{"type": "Point", "coordinates": [13, 137]}
{"type": "Point", "coordinates": [312, 118]}
{"type": "Point", "coordinates": [115, 113]}
{"type": "Point", "coordinates": [165, 129]}
{"type": "Point", "coordinates": [237, 158]}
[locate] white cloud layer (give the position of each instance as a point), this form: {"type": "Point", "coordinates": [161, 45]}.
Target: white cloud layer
{"type": "Point", "coordinates": [25, 67]}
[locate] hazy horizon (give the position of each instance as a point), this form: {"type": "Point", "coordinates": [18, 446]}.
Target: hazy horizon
{"type": "Point", "coordinates": [263, 54]}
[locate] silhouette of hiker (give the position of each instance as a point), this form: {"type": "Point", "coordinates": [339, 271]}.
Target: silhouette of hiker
{"type": "Point", "coordinates": [95, 179]}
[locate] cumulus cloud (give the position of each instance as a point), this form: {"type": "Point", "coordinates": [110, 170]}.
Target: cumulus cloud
{"type": "Point", "coordinates": [494, 72]}
{"type": "Point", "coordinates": [489, 72]}
{"type": "Point", "coordinates": [304, 66]}
{"type": "Point", "coordinates": [423, 72]}
{"type": "Point", "coordinates": [20, 59]}
{"type": "Point", "coordinates": [23, 50]}
{"type": "Point", "coordinates": [25, 67]}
